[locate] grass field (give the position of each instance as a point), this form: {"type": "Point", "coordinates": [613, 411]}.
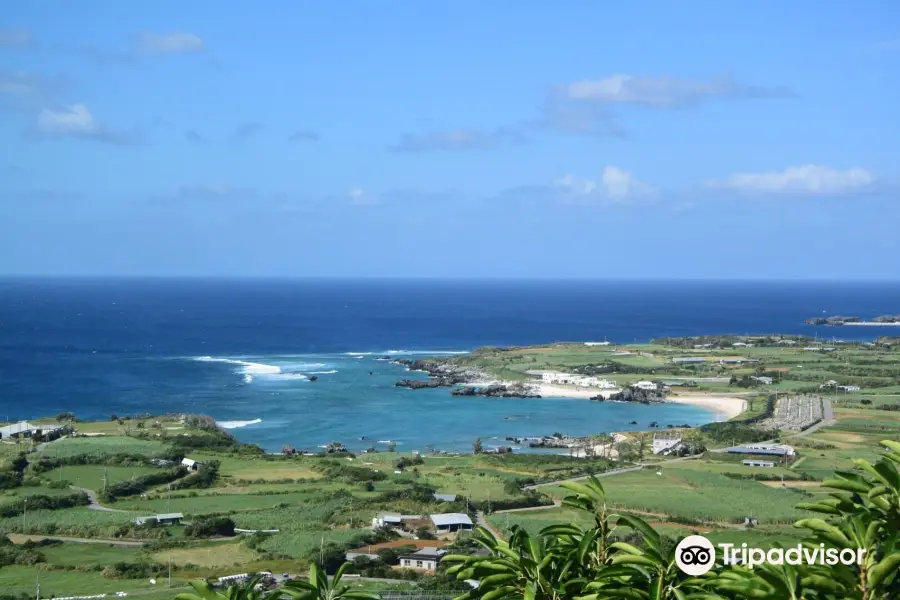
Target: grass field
{"type": "Point", "coordinates": [209, 555]}
{"type": "Point", "coordinates": [92, 476]}
{"type": "Point", "coordinates": [97, 446]}
{"type": "Point", "coordinates": [77, 554]}
{"type": "Point", "coordinates": [16, 578]}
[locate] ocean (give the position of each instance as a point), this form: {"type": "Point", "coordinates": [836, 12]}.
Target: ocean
{"type": "Point", "coordinates": [242, 350]}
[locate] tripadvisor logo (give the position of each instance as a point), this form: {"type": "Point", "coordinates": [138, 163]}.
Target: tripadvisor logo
{"type": "Point", "coordinates": [696, 555]}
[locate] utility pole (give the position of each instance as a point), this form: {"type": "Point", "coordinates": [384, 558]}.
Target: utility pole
{"type": "Point", "coordinates": [24, 512]}
{"type": "Point", "coordinates": [170, 572]}
{"type": "Point", "coordinates": [38, 591]}
{"type": "Point", "coordinates": [105, 478]}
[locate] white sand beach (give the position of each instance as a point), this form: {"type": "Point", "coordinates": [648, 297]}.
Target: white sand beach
{"type": "Point", "coordinates": [726, 407]}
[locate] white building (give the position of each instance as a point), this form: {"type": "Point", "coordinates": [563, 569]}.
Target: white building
{"type": "Point", "coordinates": [579, 380]}
{"type": "Point", "coordinates": [426, 559]}
{"type": "Point", "coordinates": [644, 385]}
{"type": "Point", "coordinates": [762, 379]}
{"type": "Point", "coordinates": [597, 343]}
{"type": "Point", "coordinates": [849, 388]}
{"type": "Point", "coordinates": [666, 444]}
{"type": "Point", "coordinates": [451, 522]}
{"type": "Point", "coordinates": [191, 464]}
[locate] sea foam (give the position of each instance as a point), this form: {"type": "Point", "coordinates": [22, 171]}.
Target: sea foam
{"type": "Point", "coordinates": [237, 424]}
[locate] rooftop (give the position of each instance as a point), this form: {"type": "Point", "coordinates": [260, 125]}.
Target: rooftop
{"type": "Point", "coordinates": [451, 519]}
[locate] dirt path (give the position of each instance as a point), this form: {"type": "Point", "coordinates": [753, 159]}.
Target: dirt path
{"type": "Point", "coordinates": [19, 538]}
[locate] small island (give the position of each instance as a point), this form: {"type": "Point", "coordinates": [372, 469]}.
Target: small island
{"type": "Point", "coordinates": [839, 320]}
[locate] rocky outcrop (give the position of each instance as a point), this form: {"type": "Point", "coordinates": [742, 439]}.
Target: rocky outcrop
{"type": "Point", "coordinates": [630, 394]}
{"type": "Point", "coordinates": [441, 374]}
{"type": "Point", "coordinates": [835, 320]}
{"type": "Point", "coordinates": [496, 391]}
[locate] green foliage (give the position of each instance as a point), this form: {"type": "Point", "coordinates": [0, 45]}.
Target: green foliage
{"type": "Point", "coordinates": [210, 526]}
{"type": "Point", "coordinates": [141, 484]}
{"type": "Point", "coordinates": [594, 563]}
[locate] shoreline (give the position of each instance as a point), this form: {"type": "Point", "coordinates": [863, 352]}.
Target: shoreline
{"type": "Point", "coordinates": [725, 407]}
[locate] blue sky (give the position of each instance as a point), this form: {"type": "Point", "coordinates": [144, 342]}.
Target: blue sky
{"type": "Point", "coordinates": [464, 139]}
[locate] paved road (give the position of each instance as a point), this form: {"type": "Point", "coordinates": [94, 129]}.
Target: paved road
{"type": "Point", "coordinates": [95, 505]}
{"type": "Point", "coordinates": [20, 537]}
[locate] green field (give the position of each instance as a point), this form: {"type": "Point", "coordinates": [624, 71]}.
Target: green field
{"type": "Point", "coordinates": [97, 446]}
{"type": "Point", "coordinates": [92, 476]}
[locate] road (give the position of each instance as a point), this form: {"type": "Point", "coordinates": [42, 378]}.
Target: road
{"type": "Point", "coordinates": [95, 505]}
{"type": "Point", "coordinates": [18, 538]}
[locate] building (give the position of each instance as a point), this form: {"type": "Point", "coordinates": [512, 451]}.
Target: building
{"type": "Point", "coordinates": [426, 559]}
{"type": "Point", "coordinates": [24, 429]}
{"type": "Point", "coordinates": [644, 385]}
{"type": "Point", "coordinates": [766, 449]}
{"type": "Point", "coordinates": [762, 379]}
{"type": "Point", "coordinates": [663, 444]}
{"type": "Point", "coordinates": [688, 360]}
{"type": "Point", "coordinates": [597, 343]}
{"type": "Point", "coordinates": [191, 464]}
{"type": "Point", "coordinates": [757, 463]}
{"type": "Point", "coordinates": [163, 519]}
{"type": "Point", "coordinates": [787, 342]}
{"type": "Point", "coordinates": [738, 361]}
{"type": "Point", "coordinates": [445, 497]}
{"type": "Point", "coordinates": [739, 345]}
{"type": "Point", "coordinates": [849, 388]}
{"type": "Point", "coordinates": [579, 380]}
{"type": "Point", "coordinates": [450, 522]}
{"type": "Point", "coordinates": [404, 545]}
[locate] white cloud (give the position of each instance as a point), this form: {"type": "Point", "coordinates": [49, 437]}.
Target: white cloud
{"type": "Point", "coordinates": [662, 91]}
{"type": "Point", "coordinates": [78, 122]}
{"type": "Point", "coordinates": [615, 184]}
{"type": "Point", "coordinates": [177, 42]}
{"type": "Point", "coordinates": [74, 120]}
{"type": "Point", "coordinates": [15, 38]}
{"type": "Point", "coordinates": [804, 179]}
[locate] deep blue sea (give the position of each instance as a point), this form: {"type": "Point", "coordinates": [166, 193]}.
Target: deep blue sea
{"type": "Point", "coordinates": [240, 350]}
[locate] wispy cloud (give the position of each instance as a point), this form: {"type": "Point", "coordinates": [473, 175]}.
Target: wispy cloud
{"type": "Point", "coordinates": [589, 106]}
{"type": "Point", "coordinates": [16, 38]}
{"type": "Point", "coordinates": [23, 89]}
{"type": "Point", "coordinates": [799, 180]}
{"type": "Point", "coordinates": [304, 135]}
{"type": "Point", "coordinates": [663, 91]}
{"type": "Point", "coordinates": [459, 139]}
{"type": "Point", "coordinates": [246, 131]}
{"type": "Point", "coordinates": [76, 121]}
{"type": "Point", "coordinates": [614, 185]}
{"type": "Point", "coordinates": [176, 42]}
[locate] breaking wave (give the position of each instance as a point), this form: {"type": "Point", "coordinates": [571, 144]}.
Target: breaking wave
{"type": "Point", "coordinates": [251, 370]}
{"type": "Point", "coordinates": [237, 424]}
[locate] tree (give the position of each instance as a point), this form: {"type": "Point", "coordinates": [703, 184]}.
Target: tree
{"type": "Point", "coordinates": [319, 587]}
{"type": "Point", "coordinates": [247, 590]}
{"type": "Point", "coordinates": [477, 447]}
{"type": "Point", "coordinates": [563, 562]}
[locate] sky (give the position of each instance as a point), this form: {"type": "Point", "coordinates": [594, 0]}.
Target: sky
{"type": "Point", "coordinates": [504, 139]}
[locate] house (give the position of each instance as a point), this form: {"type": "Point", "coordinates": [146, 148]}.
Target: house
{"type": "Point", "coordinates": [787, 342]}
{"type": "Point", "coordinates": [24, 429]}
{"type": "Point", "coordinates": [664, 444]}
{"type": "Point", "coordinates": [408, 546]}
{"type": "Point", "coordinates": [191, 464]}
{"type": "Point", "coordinates": [757, 463]}
{"type": "Point", "coordinates": [597, 343]}
{"type": "Point", "coordinates": [739, 345]}
{"type": "Point", "coordinates": [831, 383]}
{"type": "Point", "coordinates": [450, 522]}
{"type": "Point", "coordinates": [644, 385]}
{"type": "Point", "coordinates": [580, 380]}
{"type": "Point", "coordinates": [767, 449]}
{"type": "Point", "coordinates": [762, 379]}
{"type": "Point", "coordinates": [163, 519]}
{"type": "Point", "coordinates": [426, 559]}
{"type": "Point", "coordinates": [444, 497]}
{"type": "Point", "coordinates": [688, 360]}
{"type": "Point", "coordinates": [849, 388]}
{"type": "Point", "coordinates": [738, 361]}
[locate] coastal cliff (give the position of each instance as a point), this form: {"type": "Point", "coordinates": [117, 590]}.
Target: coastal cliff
{"type": "Point", "coordinates": [842, 320]}
{"type": "Point", "coordinates": [444, 374]}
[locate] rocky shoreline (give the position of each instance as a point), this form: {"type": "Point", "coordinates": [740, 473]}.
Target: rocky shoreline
{"type": "Point", "coordinates": [441, 374]}
{"type": "Point", "coordinates": [843, 320]}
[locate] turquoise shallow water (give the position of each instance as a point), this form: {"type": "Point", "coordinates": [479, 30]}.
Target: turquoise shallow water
{"type": "Point", "coordinates": [269, 402]}
{"type": "Point", "coordinates": [127, 346]}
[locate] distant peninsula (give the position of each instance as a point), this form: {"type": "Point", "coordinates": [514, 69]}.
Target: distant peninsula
{"type": "Point", "coordinates": [844, 320]}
